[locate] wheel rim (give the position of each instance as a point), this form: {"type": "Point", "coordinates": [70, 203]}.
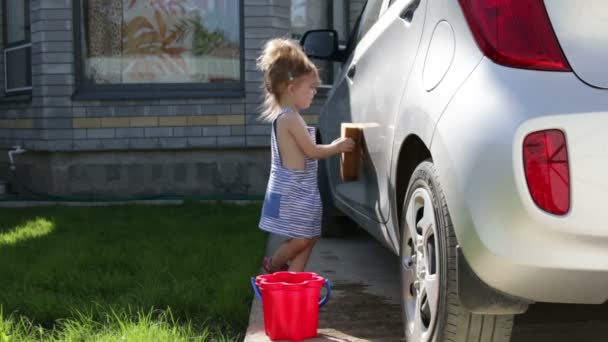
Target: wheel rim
{"type": "Point", "coordinates": [419, 267]}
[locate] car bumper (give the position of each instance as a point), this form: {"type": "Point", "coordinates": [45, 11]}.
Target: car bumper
{"type": "Point", "coordinates": [509, 242]}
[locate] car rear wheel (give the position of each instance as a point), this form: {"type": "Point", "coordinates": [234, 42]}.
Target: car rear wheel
{"type": "Point", "coordinates": [432, 311]}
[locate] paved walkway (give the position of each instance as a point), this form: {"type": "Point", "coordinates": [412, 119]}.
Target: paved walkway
{"type": "Point", "coordinates": [364, 304]}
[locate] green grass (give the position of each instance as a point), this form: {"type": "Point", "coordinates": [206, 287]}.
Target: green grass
{"type": "Point", "coordinates": [127, 273]}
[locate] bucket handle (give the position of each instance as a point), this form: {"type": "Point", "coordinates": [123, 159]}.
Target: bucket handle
{"type": "Point", "coordinates": [322, 302]}
{"type": "Point", "coordinates": [327, 295]}
{"type": "Point", "coordinates": [256, 289]}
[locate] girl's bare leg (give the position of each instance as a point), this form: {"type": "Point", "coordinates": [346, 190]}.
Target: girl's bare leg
{"type": "Point", "coordinates": [288, 251]}
{"type": "Point", "coordinates": [299, 262]}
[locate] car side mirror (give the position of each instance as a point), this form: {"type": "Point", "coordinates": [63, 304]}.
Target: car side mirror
{"type": "Point", "coordinates": [320, 44]}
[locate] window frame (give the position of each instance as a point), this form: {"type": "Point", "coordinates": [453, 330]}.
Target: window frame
{"type": "Point", "coordinates": [84, 91]}
{"type": "Point", "coordinates": [18, 45]}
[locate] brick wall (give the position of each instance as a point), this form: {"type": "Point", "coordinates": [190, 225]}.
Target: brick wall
{"type": "Point", "coordinates": [52, 73]}
{"type": "Point", "coordinates": [258, 29]}
{"type": "Point", "coordinates": [1, 52]}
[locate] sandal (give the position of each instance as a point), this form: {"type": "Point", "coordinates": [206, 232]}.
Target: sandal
{"type": "Point", "coordinates": [267, 266]}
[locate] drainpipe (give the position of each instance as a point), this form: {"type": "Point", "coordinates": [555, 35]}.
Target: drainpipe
{"type": "Point", "coordinates": [16, 150]}
{"type": "Point", "coordinates": [4, 184]}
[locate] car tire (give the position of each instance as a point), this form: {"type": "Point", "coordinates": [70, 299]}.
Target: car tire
{"type": "Point", "coordinates": [431, 308]}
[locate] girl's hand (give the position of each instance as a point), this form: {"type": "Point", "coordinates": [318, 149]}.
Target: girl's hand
{"type": "Point", "coordinates": [344, 144]}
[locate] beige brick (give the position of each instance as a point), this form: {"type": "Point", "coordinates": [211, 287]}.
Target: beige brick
{"type": "Point", "coordinates": [202, 120]}
{"type": "Point", "coordinates": [115, 122]}
{"type": "Point", "coordinates": [23, 123]}
{"type": "Point", "coordinates": [311, 119]}
{"type": "Point", "coordinates": [172, 121]}
{"type": "Point", "coordinates": [86, 123]}
{"type": "Point", "coordinates": [231, 119]}
{"type": "Point", "coordinates": [144, 121]}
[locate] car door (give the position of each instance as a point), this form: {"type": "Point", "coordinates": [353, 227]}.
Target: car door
{"type": "Point", "coordinates": [369, 93]}
{"type": "Point", "coordinates": [338, 109]}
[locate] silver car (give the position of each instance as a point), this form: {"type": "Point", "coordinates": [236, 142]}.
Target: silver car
{"type": "Point", "coordinates": [485, 150]}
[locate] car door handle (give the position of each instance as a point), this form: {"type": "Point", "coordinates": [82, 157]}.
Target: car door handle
{"type": "Point", "coordinates": [408, 13]}
{"type": "Point", "coordinates": [352, 70]}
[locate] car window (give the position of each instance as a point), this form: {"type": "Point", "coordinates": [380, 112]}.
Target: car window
{"type": "Point", "coordinates": [371, 9]}
{"type": "Point", "coordinates": [370, 15]}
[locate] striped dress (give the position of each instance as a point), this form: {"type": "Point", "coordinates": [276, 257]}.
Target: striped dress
{"type": "Point", "coordinates": [292, 205]}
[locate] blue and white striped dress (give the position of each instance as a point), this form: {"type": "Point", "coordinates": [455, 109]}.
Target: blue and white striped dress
{"type": "Point", "coordinates": [292, 205]}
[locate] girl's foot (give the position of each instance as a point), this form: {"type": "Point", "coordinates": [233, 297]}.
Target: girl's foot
{"type": "Point", "coordinates": [268, 268]}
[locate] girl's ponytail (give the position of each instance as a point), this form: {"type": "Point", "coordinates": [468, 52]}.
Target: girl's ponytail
{"type": "Point", "coordinates": [281, 62]}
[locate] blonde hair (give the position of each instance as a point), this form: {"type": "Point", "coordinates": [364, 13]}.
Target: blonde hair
{"type": "Point", "coordinates": [282, 61]}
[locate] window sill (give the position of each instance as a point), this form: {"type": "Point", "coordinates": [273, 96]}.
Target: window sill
{"type": "Point", "coordinates": [119, 94]}
{"type": "Point", "coordinates": [16, 98]}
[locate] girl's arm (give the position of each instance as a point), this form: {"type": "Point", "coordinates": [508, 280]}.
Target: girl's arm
{"type": "Point", "coordinates": [297, 128]}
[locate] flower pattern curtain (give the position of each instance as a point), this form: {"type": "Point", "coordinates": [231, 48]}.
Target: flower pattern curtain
{"type": "Point", "coordinates": [104, 40]}
{"type": "Point", "coordinates": [161, 41]}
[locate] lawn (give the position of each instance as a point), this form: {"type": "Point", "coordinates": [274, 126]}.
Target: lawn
{"type": "Point", "coordinates": [128, 273]}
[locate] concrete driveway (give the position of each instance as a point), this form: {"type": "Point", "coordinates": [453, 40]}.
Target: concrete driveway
{"type": "Point", "coordinates": [365, 303]}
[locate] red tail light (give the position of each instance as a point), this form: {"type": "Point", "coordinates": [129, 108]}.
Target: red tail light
{"type": "Point", "coordinates": [515, 33]}
{"type": "Point", "coordinates": [547, 170]}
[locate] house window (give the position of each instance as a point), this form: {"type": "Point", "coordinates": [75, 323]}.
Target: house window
{"type": "Point", "coordinates": [320, 14]}
{"type": "Point", "coordinates": [172, 43]}
{"type": "Point", "coordinates": [17, 46]}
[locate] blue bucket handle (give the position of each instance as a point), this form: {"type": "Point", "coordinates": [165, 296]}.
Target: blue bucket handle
{"type": "Point", "coordinates": [327, 295]}
{"type": "Point", "coordinates": [322, 302]}
{"type": "Point", "coordinates": [256, 289]}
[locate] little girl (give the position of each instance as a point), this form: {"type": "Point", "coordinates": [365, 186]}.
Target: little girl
{"type": "Point", "coordinates": [292, 205]}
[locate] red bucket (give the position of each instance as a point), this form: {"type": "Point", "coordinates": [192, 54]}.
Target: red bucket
{"type": "Point", "coordinates": [291, 303]}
